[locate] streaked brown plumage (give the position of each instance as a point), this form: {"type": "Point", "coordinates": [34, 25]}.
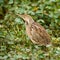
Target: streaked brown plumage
{"type": "Point", "coordinates": [35, 31]}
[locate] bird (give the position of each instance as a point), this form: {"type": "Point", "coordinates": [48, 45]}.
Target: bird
{"type": "Point", "coordinates": [35, 31]}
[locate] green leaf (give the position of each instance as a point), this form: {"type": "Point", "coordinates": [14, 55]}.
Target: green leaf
{"type": "Point", "coordinates": [10, 2]}
{"type": "Point", "coordinates": [1, 1]}
{"type": "Point", "coordinates": [41, 55]}
{"type": "Point", "coordinates": [18, 21]}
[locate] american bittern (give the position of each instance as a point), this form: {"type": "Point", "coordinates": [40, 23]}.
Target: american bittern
{"type": "Point", "coordinates": [35, 31]}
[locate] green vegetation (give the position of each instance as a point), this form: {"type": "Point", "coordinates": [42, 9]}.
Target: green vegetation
{"type": "Point", "coordinates": [14, 43]}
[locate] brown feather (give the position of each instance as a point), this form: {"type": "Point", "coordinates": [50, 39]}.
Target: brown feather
{"type": "Point", "coordinates": [35, 31]}
{"type": "Point", "coordinates": [39, 34]}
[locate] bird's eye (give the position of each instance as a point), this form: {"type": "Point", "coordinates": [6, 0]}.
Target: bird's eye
{"type": "Point", "coordinates": [26, 23]}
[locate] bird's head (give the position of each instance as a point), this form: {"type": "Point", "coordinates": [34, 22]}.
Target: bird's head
{"type": "Point", "coordinates": [27, 18]}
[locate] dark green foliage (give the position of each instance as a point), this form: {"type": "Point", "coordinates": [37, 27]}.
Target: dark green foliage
{"type": "Point", "coordinates": [14, 43]}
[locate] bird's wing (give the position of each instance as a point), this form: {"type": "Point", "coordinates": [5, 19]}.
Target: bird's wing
{"type": "Point", "coordinates": [39, 34]}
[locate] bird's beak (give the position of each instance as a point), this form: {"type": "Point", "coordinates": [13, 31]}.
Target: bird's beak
{"type": "Point", "coordinates": [22, 16]}
{"type": "Point", "coordinates": [19, 15]}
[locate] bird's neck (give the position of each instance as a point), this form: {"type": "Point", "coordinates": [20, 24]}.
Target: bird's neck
{"type": "Point", "coordinates": [30, 23]}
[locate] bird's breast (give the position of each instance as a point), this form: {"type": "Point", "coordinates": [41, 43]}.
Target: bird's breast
{"type": "Point", "coordinates": [28, 32]}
